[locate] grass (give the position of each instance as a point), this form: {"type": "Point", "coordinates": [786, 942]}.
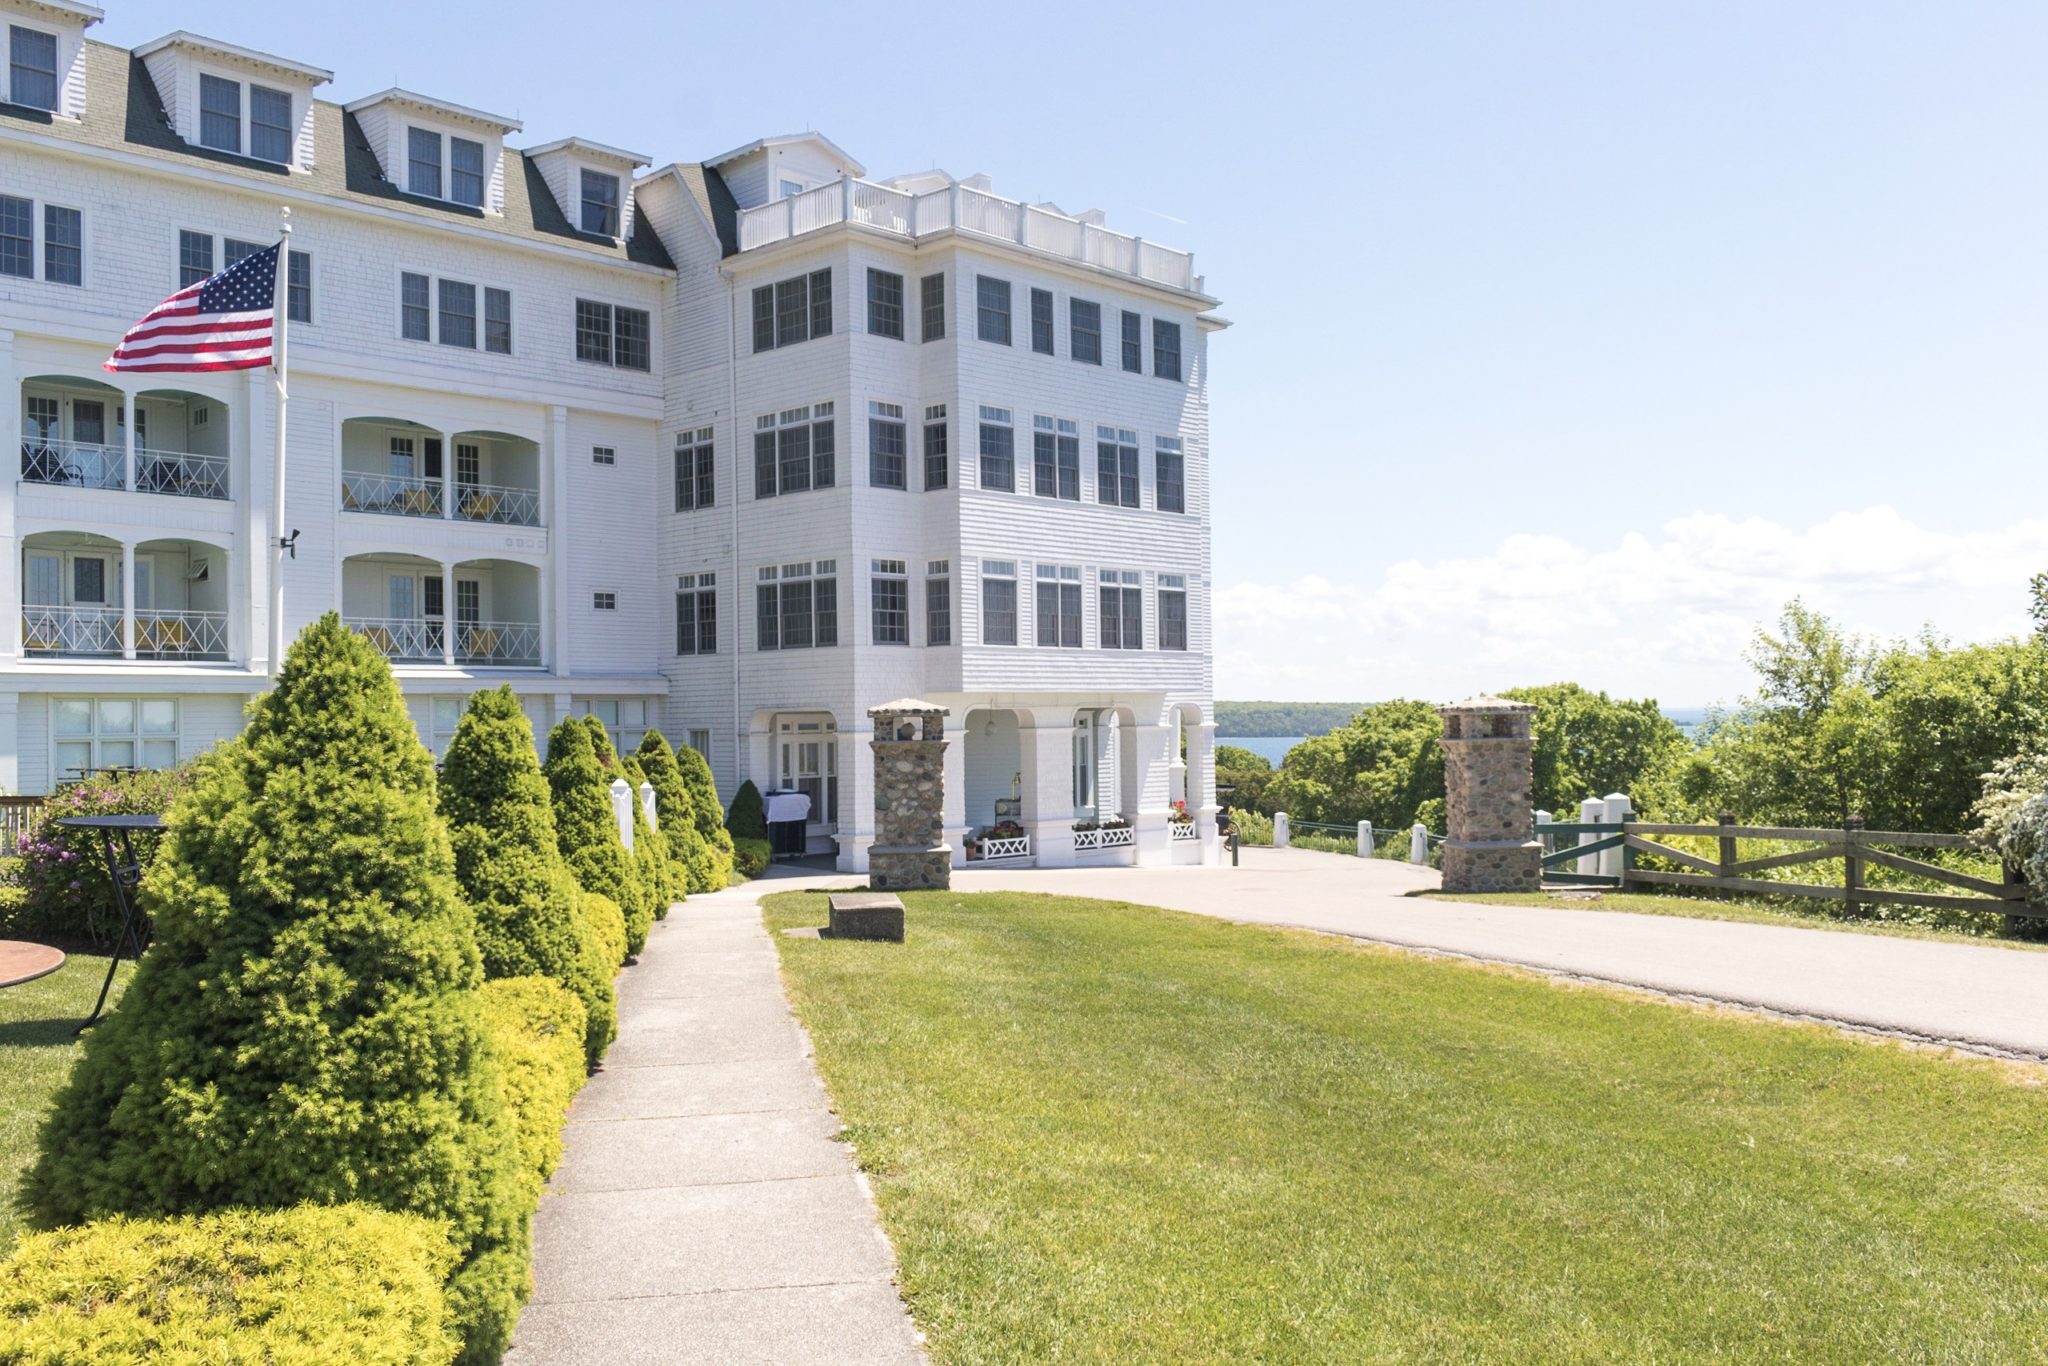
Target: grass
{"type": "Point", "coordinates": [36, 1053]}
{"type": "Point", "coordinates": [1101, 1132]}
{"type": "Point", "coordinates": [1749, 910]}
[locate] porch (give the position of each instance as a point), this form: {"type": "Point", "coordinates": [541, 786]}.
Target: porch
{"type": "Point", "coordinates": [401, 603]}
{"type": "Point", "coordinates": [399, 468]}
{"type": "Point", "coordinates": [88, 596]}
{"type": "Point", "coordinates": [82, 433]}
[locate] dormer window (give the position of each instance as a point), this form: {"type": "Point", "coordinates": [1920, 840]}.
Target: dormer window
{"type": "Point", "coordinates": [600, 203]}
{"type": "Point", "coordinates": [465, 167]}
{"type": "Point", "coordinates": [32, 67]}
{"type": "Point", "coordinates": [789, 188]}
{"type": "Point", "coordinates": [423, 158]}
{"type": "Point", "coordinates": [220, 114]}
{"type": "Point", "coordinates": [466, 172]}
{"type": "Point", "coordinates": [270, 124]}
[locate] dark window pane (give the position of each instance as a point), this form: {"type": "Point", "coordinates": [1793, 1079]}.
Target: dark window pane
{"type": "Point", "coordinates": [17, 237]}
{"type": "Point", "coordinates": [794, 452]}
{"type": "Point", "coordinates": [32, 68]}
{"type": "Point", "coordinates": [633, 346]}
{"type": "Point", "coordinates": [423, 162]}
{"type": "Point", "coordinates": [1170, 487]}
{"type": "Point", "coordinates": [992, 309]}
{"type": "Point", "coordinates": [593, 332]}
{"type": "Point", "coordinates": [1084, 331]}
{"type": "Point", "coordinates": [1134, 343]}
{"type": "Point", "coordinates": [998, 612]}
{"type": "Point", "coordinates": [935, 455]}
{"type": "Point", "coordinates": [270, 124]}
{"type": "Point", "coordinates": [938, 611]}
{"type": "Point", "coordinates": [498, 321]}
{"type": "Point", "coordinates": [887, 445]}
{"type": "Point", "coordinates": [821, 303]}
{"type": "Point", "coordinates": [1173, 620]}
{"type": "Point", "coordinates": [299, 287]}
{"type": "Point", "coordinates": [63, 246]}
{"type": "Point", "coordinates": [458, 314]}
{"type": "Point", "coordinates": [413, 306]}
{"type": "Point", "coordinates": [1165, 349]}
{"type": "Point", "coordinates": [1041, 321]}
{"type": "Point", "coordinates": [686, 623]}
{"type": "Point", "coordinates": [885, 304]}
{"type": "Point", "coordinates": [796, 616]}
{"type": "Point", "coordinates": [767, 618]}
{"type": "Point", "coordinates": [764, 318]}
{"type": "Point", "coordinates": [891, 601]}
{"type": "Point", "coordinates": [828, 611]}
{"type": "Point", "coordinates": [792, 312]}
{"type": "Point", "coordinates": [220, 114]}
{"type": "Point", "coordinates": [824, 445]}
{"type": "Point", "coordinates": [998, 462]}
{"type": "Point", "coordinates": [764, 464]}
{"type": "Point", "coordinates": [933, 297]}
{"type": "Point", "coordinates": [600, 203]}
{"type": "Point", "coordinates": [195, 257]}
{"type": "Point", "coordinates": [466, 171]}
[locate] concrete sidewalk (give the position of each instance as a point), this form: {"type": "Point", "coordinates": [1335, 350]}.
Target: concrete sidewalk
{"type": "Point", "coordinates": [702, 1210]}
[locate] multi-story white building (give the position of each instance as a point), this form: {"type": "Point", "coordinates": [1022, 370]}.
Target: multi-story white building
{"type": "Point", "coordinates": [738, 448]}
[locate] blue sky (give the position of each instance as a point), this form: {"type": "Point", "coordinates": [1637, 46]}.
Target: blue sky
{"type": "Point", "coordinates": [1643, 316]}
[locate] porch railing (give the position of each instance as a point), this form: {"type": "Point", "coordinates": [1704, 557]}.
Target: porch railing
{"type": "Point", "coordinates": [395, 494]}
{"type": "Point", "coordinates": [407, 640]}
{"type": "Point", "coordinates": [181, 634]}
{"type": "Point", "coordinates": [500, 503]}
{"type": "Point", "coordinates": [71, 630]}
{"type": "Point", "coordinates": [499, 644]}
{"type": "Point", "coordinates": [1123, 837]}
{"type": "Point", "coordinates": [1180, 830]}
{"type": "Point", "coordinates": [181, 474]}
{"type": "Point", "coordinates": [75, 464]}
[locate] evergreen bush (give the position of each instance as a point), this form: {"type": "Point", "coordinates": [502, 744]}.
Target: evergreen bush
{"type": "Point", "coordinates": [751, 856]}
{"type": "Point", "coordinates": [509, 867]}
{"type": "Point", "coordinates": [709, 815]}
{"type": "Point", "coordinates": [694, 859]}
{"type": "Point", "coordinates": [306, 1026]}
{"type": "Point", "coordinates": [658, 873]}
{"type": "Point", "coordinates": [747, 818]}
{"type": "Point", "coordinates": [607, 926]}
{"type": "Point", "coordinates": [587, 832]}
{"type": "Point", "coordinates": [536, 1027]}
{"type": "Point", "coordinates": [314, 1283]}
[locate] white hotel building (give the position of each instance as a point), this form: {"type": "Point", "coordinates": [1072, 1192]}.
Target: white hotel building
{"type": "Point", "coordinates": [737, 448]}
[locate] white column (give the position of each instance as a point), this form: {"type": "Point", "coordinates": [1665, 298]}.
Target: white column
{"type": "Point", "coordinates": [856, 794]}
{"type": "Point", "coordinates": [447, 475]}
{"type": "Point", "coordinates": [622, 810]}
{"type": "Point", "coordinates": [1281, 834]}
{"type": "Point", "coordinates": [127, 599]}
{"type": "Point", "coordinates": [1543, 818]}
{"type": "Point", "coordinates": [128, 436]}
{"type": "Point", "coordinates": [10, 544]}
{"type": "Point", "coordinates": [647, 804]}
{"type": "Point", "coordinates": [1045, 749]}
{"type": "Point", "coordinates": [447, 611]}
{"type": "Point", "coordinates": [1590, 813]}
{"type": "Point", "coordinates": [1202, 789]}
{"type": "Point", "coordinates": [555, 451]}
{"type": "Point", "coordinates": [1418, 843]}
{"type": "Point", "coordinates": [1155, 746]}
{"type": "Point", "coordinates": [1617, 809]}
{"type": "Point", "coordinates": [1365, 845]}
{"type": "Point", "coordinates": [953, 766]}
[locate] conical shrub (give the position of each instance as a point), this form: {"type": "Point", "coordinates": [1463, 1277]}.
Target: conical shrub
{"type": "Point", "coordinates": [651, 848]}
{"type": "Point", "coordinates": [686, 847]}
{"type": "Point", "coordinates": [747, 818]}
{"type": "Point", "coordinates": [509, 866]}
{"type": "Point", "coordinates": [586, 831]}
{"type": "Point", "coordinates": [709, 815]}
{"type": "Point", "coordinates": [305, 1027]}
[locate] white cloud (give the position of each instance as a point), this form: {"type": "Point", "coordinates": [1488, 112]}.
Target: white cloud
{"type": "Point", "coordinates": [1667, 614]}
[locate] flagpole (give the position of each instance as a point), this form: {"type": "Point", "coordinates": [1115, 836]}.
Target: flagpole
{"type": "Point", "coordinates": [281, 301]}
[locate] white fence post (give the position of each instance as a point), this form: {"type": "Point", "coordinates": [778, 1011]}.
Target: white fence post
{"type": "Point", "coordinates": [1618, 810]}
{"type": "Point", "coordinates": [1590, 814]}
{"type": "Point", "coordinates": [647, 804]}
{"type": "Point", "coordinates": [1365, 839]}
{"type": "Point", "coordinates": [1543, 819]}
{"type": "Point", "coordinates": [622, 810]}
{"type": "Point", "coordinates": [1418, 844]}
{"type": "Point", "coordinates": [1280, 830]}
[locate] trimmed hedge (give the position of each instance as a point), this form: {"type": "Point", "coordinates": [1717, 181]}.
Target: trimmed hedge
{"type": "Point", "coordinates": [709, 815]}
{"type": "Point", "coordinates": [585, 829]}
{"type": "Point", "coordinates": [509, 867]}
{"type": "Point", "coordinates": [695, 861]}
{"type": "Point", "coordinates": [536, 1027]}
{"type": "Point", "coordinates": [658, 872]}
{"type": "Point", "coordinates": [607, 926]}
{"type": "Point", "coordinates": [751, 856]}
{"type": "Point", "coordinates": [747, 818]}
{"type": "Point", "coordinates": [306, 1027]}
{"type": "Point", "coordinates": [316, 1283]}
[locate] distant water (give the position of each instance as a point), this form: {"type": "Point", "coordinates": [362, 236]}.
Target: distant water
{"type": "Point", "coordinates": [1274, 747]}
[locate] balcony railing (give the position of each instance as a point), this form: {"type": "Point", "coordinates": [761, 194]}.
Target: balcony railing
{"type": "Point", "coordinates": [498, 503]}
{"type": "Point", "coordinates": [71, 630]}
{"type": "Point", "coordinates": [397, 494]}
{"type": "Point", "coordinates": [74, 464]}
{"type": "Point", "coordinates": [1116, 837]}
{"type": "Point", "coordinates": [181, 473]}
{"type": "Point", "coordinates": [163, 634]}
{"type": "Point", "coordinates": [1182, 830]}
{"type": "Point", "coordinates": [404, 640]}
{"type": "Point", "coordinates": [963, 209]}
{"type": "Point", "coordinates": [498, 644]}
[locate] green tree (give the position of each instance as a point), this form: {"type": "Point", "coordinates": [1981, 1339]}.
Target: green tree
{"type": "Point", "coordinates": [1381, 767]}
{"type": "Point", "coordinates": [509, 866]}
{"type": "Point", "coordinates": [1239, 759]}
{"type": "Point", "coordinates": [694, 859]}
{"type": "Point", "coordinates": [1588, 744]}
{"type": "Point", "coordinates": [305, 1027]}
{"type": "Point", "coordinates": [586, 830]}
{"type": "Point", "coordinates": [709, 815]}
{"type": "Point", "coordinates": [747, 818]}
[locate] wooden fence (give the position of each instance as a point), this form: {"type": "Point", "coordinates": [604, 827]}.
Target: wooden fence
{"type": "Point", "coordinates": [1858, 849]}
{"type": "Point", "coordinates": [18, 816]}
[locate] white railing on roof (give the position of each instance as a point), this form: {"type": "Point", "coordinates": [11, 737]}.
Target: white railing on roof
{"type": "Point", "coordinates": [966, 210]}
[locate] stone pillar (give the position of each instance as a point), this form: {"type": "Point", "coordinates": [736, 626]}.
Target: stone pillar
{"type": "Point", "coordinates": [1489, 776]}
{"type": "Point", "coordinates": [909, 747]}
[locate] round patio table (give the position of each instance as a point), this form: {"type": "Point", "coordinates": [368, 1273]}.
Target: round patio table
{"type": "Point", "coordinates": [21, 961]}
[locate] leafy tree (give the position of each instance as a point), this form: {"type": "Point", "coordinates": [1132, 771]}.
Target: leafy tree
{"type": "Point", "coordinates": [710, 818]}
{"type": "Point", "coordinates": [587, 832]}
{"type": "Point", "coordinates": [2037, 592]}
{"type": "Point", "coordinates": [1588, 744]}
{"type": "Point", "coordinates": [306, 1026]}
{"type": "Point", "coordinates": [1283, 718]}
{"type": "Point", "coordinates": [1380, 767]}
{"type": "Point", "coordinates": [502, 827]}
{"type": "Point", "coordinates": [1239, 759]}
{"type": "Point", "coordinates": [693, 857]}
{"type": "Point", "coordinates": [747, 818]}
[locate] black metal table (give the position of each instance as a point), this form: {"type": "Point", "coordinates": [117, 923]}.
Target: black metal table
{"type": "Point", "coordinates": [124, 871]}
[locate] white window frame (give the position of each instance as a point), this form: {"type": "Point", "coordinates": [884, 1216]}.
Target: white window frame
{"type": "Point", "coordinates": [1177, 584]}
{"type": "Point", "coordinates": [39, 242]}
{"type": "Point", "coordinates": [697, 587]}
{"type": "Point", "coordinates": [481, 336]}
{"type": "Point", "coordinates": [823, 413]}
{"type": "Point", "coordinates": [1001, 571]}
{"type": "Point", "coordinates": [696, 447]}
{"type": "Point", "coordinates": [94, 736]}
{"type": "Point", "coordinates": [7, 62]}
{"type": "Point", "coordinates": [604, 600]}
{"type": "Point", "coordinates": [940, 572]}
{"type": "Point", "coordinates": [895, 572]}
{"type": "Point", "coordinates": [775, 577]}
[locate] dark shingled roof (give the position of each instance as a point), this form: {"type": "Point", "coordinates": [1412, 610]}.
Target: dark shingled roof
{"type": "Point", "coordinates": [713, 196]}
{"type": "Point", "coordinates": [124, 112]}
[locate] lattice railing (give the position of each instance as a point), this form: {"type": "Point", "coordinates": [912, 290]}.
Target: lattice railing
{"type": "Point", "coordinates": [399, 495]}
{"type": "Point", "coordinates": [1118, 838]}
{"type": "Point", "coordinates": [181, 474]}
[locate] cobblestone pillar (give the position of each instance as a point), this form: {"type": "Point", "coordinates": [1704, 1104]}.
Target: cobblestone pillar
{"type": "Point", "coordinates": [1489, 778]}
{"type": "Point", "coordinates": [910, 850]}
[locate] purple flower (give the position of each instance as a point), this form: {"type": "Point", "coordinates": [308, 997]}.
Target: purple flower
{"type": "Point", "coordinates": [75, 885]}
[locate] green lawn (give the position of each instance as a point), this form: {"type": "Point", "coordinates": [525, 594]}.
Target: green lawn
{"type": "Point", "coordinates": [1101, 1132]}
{"type": "Point", "coordinates": [1756, 911]}
{"type": "Point", "coordinates": [36, 1052]}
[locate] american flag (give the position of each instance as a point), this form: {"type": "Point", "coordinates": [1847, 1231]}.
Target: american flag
{"type": "Point", "coordinates": [224, 322]}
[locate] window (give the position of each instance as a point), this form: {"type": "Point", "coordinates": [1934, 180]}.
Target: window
{"type": "Point", "coordinates": [1173, 612]}
{"type": "Point", "coordinates": [90, 733]}
{"type": "Point", "coordinates": [624, 718]}
{"type": "Point", "coordinates": [220, 114]}
{"type": "Point", "coordinates": [935, 447]}
{"type": "Point", "coordinates": [1122, 620]}
{"type": "Point", "coordinates": [794, 450]}
{"type": "Point", "coordinates": [793, 310]}
{"type": "Point", "coordinates": [888, 447]}
{"type": "Point", "coordinates": [885, 304]}
{"type": "Point", "coordinates": [32, 68]}
{"type": "Point", "coordinates": [1084, 331]}
{"type": "Point", "coordinates": [1059, 606]}
{"type": "Point", "coordinates": [992, 309]}
{"type": "Point", "coordinates": [694, 468]}
{"type": "Point", "coordinates": [797, 606]}
{"type": "Point", "coordinates": [938, 602]}
{"type": "Point", "coordinates": [17, 237]}
{"type": "Point", "coordinates": [699, 740]}
{"type": "Point", "coordinates": [932, 296]}
{"type": "Point", "coordinates": [414, 310]}
{"type": "Point", "coordinates": [1116, 467]}
{"type": "Point", "coordinates": [998, 450]}
{"type": "Point", "coordinates": [613, 336]}
{"type": "Point", "coordinates": [1134, 343]}
{"type": "Point", "coordinates": [998, 602]}
{"type": "Point", "coordinates": [785, 188]}
{"type": "Point", "coordinates": [63, 246]}
{"type": "Point", "coordinates": [1169, 486]}
{"type": "Point", "coordinates": [697, 614]}
{"type": "Point", "coordinates": [498, 321]}
{"type": "Point", "coordinates": [1041, 321]}
{"type": "Point", "coordinates": [604, 455]}
{"type": "Point", "coordinates": [423, 162]}
{"type": "Point", "coordinates": [298, 287]}
{"type": "Point", "coordinates": [889, 595]}
{"type": "Point", "coordinates": [458, 314]}
{"type": "Point", "coordinates": [600, 203]}
{"type": "Point", "coordinates": [270, 124]}
{"type": "Point", "coordinates": [195, 257]}
{"type": "Point", "coordinates": [466, 172]}
{"type": "Point", "coordinates": [1165, 349]}
{"type": "Point", "coordinates": [604, 602]}
{"type": "Point", "coordinates": [1056, 458]}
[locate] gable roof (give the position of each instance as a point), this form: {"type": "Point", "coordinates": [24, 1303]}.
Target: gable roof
{"type": "Point", "coordinates": [714, 200]}
{"type": "Point", "coordinates": [785, 140]}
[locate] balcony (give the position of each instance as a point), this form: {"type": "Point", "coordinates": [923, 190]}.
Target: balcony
{"type": "Point", "coordinates": [86, 596]}
{"type": "Point", "coordinates": [399, 603]}
{"type": "Point", "coordinates": [179, 447]}
{"type": "Point", "coordinates": [397, 468]}
{"type": "Point", "coordinates": [396, 495]}
{"type": "Point", "coordinates": [962, 208]}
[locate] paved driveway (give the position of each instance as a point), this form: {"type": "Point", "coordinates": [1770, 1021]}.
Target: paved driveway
{"type": "Point", "coordinates": [1977, 996]}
